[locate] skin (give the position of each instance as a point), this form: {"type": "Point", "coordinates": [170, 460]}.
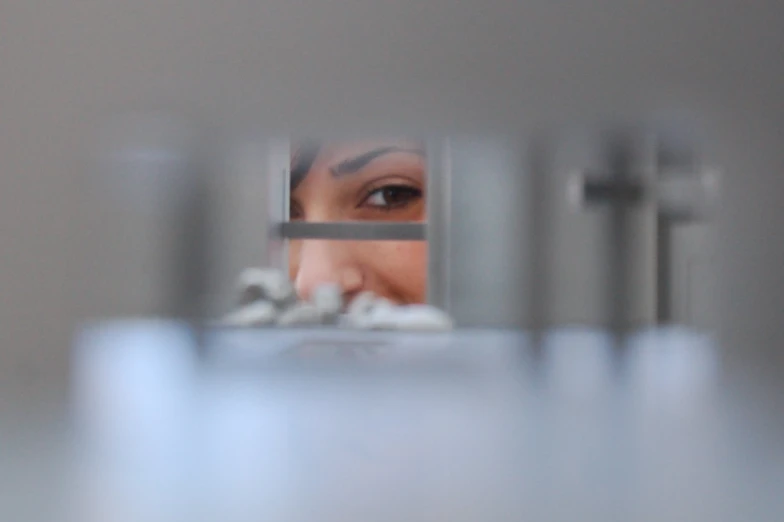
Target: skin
{"type": "Point", "coordinates": [381, 180]}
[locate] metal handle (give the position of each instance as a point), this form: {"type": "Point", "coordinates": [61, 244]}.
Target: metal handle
{"type": "Point", "coordinates": [679, 196]}
{"type": "Point", "coordinates": [585, 189]}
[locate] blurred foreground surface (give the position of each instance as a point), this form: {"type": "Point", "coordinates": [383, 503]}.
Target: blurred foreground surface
{"type": "Point", "coordinates": [469, 425]}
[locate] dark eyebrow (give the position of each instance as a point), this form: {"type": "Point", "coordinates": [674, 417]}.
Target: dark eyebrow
{"type": "Point", "coordinates": [353, 165]}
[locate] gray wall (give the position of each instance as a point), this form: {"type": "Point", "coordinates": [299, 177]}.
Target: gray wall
{"type": "Point", "coordinates": [70, 250]}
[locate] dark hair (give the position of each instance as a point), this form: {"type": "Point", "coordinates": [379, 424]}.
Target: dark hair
{"type": "Point", "coordinates": [302, 161]}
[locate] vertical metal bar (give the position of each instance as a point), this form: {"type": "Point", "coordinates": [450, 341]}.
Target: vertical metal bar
{"type": "Point", "coordinates": [193, 262]}
{"type": "Point", "coordinates": [437, 232]}
{"type": "Point", "coordinates": [662, 271]}
{"type": "Point", "coordinates": [284, 156]}
{"type": "Point", "coordinates": [539, 161]}
{"type": "Point", "coordinates": [659, 237]}
{"type": "Point", "coordinates": [664, 303]}
{"type": "Point", "coordinates": [618, 154]}
{"type": "Point", "coordinates": [278, 201]}
{"type": "Point", "coordinates": [672, 152]}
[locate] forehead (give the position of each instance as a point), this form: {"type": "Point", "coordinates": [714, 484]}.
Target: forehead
{"type": "Point", "coordinates": [335, 152]}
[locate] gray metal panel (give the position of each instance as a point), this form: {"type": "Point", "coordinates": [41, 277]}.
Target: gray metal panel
{"type": "Point", "coordinates": [489, 232]}
{"type": "Point", "coordinates": [439, 229]}
{"type": "Point", "coordinates": [600, 258]}
{"type": "Point", "coordinates": [242, 198]}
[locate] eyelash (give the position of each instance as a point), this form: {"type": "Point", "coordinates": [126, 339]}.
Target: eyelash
{"type": "Point", "coordinates": [411, 193]}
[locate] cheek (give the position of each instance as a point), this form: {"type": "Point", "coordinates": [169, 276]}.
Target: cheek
{"type": "Point", "coordinates": [399, 266]}
{"type": "Point", "coordinates": [293, 259]}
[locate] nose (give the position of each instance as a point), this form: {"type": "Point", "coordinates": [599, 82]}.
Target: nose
{"type": "Point", "coordinates": [321, 262]}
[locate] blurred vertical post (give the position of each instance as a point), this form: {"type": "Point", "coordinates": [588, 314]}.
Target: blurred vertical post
{"type": "Point", "coordinates": [166, 164]}
{"type": "Point", "coordinates": [615, 185]}
{"type": "Point", "coordinates": [619, 158]}
{"type": "Point", "coordinates": [277, 201]}
{"type": "Point", "coordinates": [438, 207]}
{"type": "Point", "coordinates": [540, 159]}
{"type": "Point", "coordinates": [669, 155]}
{"type": "Point", "coordinates": [490, 250]}
{"type": "Point", "coordinates": [191, 259]}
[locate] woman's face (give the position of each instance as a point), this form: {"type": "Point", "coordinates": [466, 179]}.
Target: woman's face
{"type": "Point", "coordinates": [361, 181]}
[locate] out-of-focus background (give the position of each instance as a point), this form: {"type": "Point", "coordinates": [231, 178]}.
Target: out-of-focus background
{"type": "Point", "coordinates": [74, 247]}
{"type": "Point", "coordinates": [71, 249]}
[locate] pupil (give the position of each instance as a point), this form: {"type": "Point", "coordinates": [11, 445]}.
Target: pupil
{"type": "Point", "coordinates": [393, 195]}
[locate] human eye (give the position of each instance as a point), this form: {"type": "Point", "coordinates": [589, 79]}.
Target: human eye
{"type": "Point", "coordinates": [391, 197]}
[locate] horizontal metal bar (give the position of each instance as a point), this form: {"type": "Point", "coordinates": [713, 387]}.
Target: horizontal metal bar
{"type": "Point", "coordinates": [599, 191]}
{"type": "Point", "coordinates": [352, 231]}
{"type": "Point", "coordinates": [588, 190]}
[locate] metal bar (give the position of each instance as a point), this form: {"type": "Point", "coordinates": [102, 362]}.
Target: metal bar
{"type": "Point", "coordinates": [675, 161]}
{"type": "Point", "coordinates": [193, 268]}
{"type": "Point", "coordinates": [653, 230]}
{"type": "Point", "coordinates": [602, 191]}
{"type": "Point", "coordinates": [587, 189]}
{"type": "Point", "coordinates": [437, 231]}
{"type": "Point", "coordinates": [278, 199]}
{"type": "Point", "coordinates": [540, 158]}
{"type": "Point", "coordinates": [351, 231]}
{"type": "Point", "coordinates": [618, 156]}
{"type": "Point", "coordinates": [664, 303]}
